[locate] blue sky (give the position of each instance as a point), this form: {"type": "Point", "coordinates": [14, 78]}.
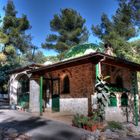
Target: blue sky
{"type": "Point", "coordinates": [40, 12]}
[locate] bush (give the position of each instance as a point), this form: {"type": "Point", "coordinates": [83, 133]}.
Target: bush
{"type": "Point", "coordinates": [79, 120]}
{"type": "Point", "coordinates": [114, 125]}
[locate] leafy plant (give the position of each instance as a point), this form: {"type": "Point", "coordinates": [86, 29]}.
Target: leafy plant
{"type": "Point", "coordinates": [114, 125]}
{"type": "Point", "coordinates": [103, 93]}
{"type": "Point", "coordinates": [76, 121]}
{"type": "Point", "coordinates": [84, 120]}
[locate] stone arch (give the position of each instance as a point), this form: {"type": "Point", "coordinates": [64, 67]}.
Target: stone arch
{"type": "Point", "coordinates": [22, 88]}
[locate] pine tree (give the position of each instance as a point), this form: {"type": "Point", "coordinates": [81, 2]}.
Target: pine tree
{"type": "Point", "coordinates": [13, 40]}
{"type": "Point", "coordinates": [14, 27]}
{"type": "Point", "coordinates": [70, 30]}
{"type": "Point", "coordinates": [121, 27]}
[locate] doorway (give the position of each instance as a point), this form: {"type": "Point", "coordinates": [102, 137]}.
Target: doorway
{"type": "Point", "coordinates": [51, 94]}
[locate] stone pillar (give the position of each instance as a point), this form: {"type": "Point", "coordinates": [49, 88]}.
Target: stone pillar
{"type": "Point", "coordinates": [13, 89]}
{"type": "Point", "coordinates": [34, 104]}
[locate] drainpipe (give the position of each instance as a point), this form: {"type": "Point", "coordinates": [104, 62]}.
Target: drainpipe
{"type": "Point", "coordinates": [41, 92]}
{"type": "Point", "coordinates": [98, 68]}
{"type": "Point", "coordinates": [135, 92]}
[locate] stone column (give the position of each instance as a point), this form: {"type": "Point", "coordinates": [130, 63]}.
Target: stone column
{"type": "Point", "coordinates": [34, 104]}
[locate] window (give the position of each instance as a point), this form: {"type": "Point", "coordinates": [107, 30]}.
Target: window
{"type": "Point", "coordinates": [66, 85]}
{"type": "Point", "coordinates": [124, 100]}
{"type": "Point", "coordinates": [113, 100]}
{"type": "Point", "coordinates": [119, 82]}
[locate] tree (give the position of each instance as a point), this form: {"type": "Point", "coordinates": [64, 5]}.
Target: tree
{"type": "Point", "coordinates": [13, 41]}
{"type": "Point", "coordinates": [70, 30]}
{"type": "Point", "coordinates": [28, 58]}
{"type": "Point", "coordinates": [121, 27]}
{"type": "Point", "coordinates": [15, 27]}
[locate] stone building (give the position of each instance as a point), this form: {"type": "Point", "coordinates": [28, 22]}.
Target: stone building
{"type": "Point", "coordinates": [69, 85]}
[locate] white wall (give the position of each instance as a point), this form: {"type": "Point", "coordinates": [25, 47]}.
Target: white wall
{"type": "Point", "coordinates": [74, 105]}
{"type": "Point", "coordinates": [13, 86]}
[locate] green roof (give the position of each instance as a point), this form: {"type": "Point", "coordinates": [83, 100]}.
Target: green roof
{"type": "Point", "coordinates": [82, 49]}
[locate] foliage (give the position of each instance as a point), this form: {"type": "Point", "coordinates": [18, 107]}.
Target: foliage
{"type": "Point", "coordinates": [134, 52]}
{"type": "Point", "coordinates": [76, 121]}
{"type": "Point", "coordinates": [4, 76]}
{"type": "Point", "coordinates": [70, 30]}
{"type": "Point", "coordinates": [15, 28]}
{"type": "Point", "coordinates": [103, 93]}
{"type": "Point", "coordinates": [13, 41]}
{"type": "Point", "coordinates": [123, 25]}
{"type": "Point", "coordinates": [114, 125]}
{"type": "Point", "coordinates": [29, 58]}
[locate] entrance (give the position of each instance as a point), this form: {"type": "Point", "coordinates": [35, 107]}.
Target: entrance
{"type": "Point", "coordinates": [51, 94]}
{"type": "Point", "coordinates": [56, 95]}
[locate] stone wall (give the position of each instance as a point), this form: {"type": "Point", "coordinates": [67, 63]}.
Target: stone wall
{"type": "Point", "coordinates": [113, 72]}
{"type": "Point", "coordinates": [118, 113]}
{"type": "Point", "coordinates": [82, 80]}
{"type": "Point", "coordinates": [74, 105]}
{"type": "Point", "coordinates": [34, 104]}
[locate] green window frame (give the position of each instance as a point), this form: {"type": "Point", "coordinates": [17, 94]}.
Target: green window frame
{"type": "Point", "coordinates": [113, 100]}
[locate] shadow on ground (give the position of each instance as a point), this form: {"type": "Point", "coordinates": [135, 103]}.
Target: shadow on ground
{"type": "Point", "coordinates": [60, 135]}
{"type": "Point", "coordinates": [23, 126]}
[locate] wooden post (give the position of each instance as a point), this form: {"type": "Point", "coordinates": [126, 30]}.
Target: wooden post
{"type": "Point", "coordinates": [41, 92]}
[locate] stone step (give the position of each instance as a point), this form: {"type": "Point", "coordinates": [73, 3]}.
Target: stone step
{"type": "Point", "coordinates": [5, 107]}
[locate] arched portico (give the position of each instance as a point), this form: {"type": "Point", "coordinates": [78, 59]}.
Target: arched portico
{"type": "Point", "coordinates": [19, 89]}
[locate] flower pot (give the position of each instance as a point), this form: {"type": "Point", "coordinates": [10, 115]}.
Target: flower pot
{"type": "Point", "coordinates": [88, 128]}
{"type": "Point", "coordinates": [94, 127]}
{"type": "Point", "coordinates": [85, 127]}
{"type": "Point", "coordinates": [100, 126]}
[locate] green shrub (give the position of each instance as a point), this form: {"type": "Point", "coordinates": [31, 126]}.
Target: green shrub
{"type": "Point", "coordinates": [79, 120]}
{"type": "Point", "coordinates": [76, 120]}
{"type": "Point", "coordinates": [114, 125]}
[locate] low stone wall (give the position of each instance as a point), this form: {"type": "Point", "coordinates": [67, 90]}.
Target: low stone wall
{"type": "Point", "coordinates": [74, 105]}
{"type": "Point", "coordinates": [116, 114]}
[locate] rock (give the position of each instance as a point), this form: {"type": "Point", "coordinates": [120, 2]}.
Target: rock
{"type": "Point", "coordinates": [121, 133]}
{"type": "Point", "coordinates": [132, 130]}
{"type": "Point", "coordinates": [11, 132]}
{"type": "Point", "coordinates": [23, 137]}
{"type": "Point", "coordinates": [114, 136]}
{"type": "Point", "coordinates": [102, 136]}
{"type": "Point", "coordinates": [108, 133]}
{"type": "Point", "coordinates": [18, 139]}
{"type": "Point", "coordinates": [132, 134]}
{"type": "Point", "coordinates": [97, 134]}
{"type": "Point", "coordinates": [88, 137]}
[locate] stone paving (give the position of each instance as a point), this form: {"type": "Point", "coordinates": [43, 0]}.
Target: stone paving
{"type": "Point", "coordinates": [17, 125]}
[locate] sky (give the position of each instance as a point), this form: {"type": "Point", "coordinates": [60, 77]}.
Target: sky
{"type": "Point", "coordinates": [40, 13]}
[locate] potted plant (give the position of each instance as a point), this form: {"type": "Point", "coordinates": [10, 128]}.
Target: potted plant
{"type": "Point", "coordinates": [76, 121]}
{"type": "Point", "coordinates": [91, 125]}
{"type": "Point", "coordinates": [84, 121]}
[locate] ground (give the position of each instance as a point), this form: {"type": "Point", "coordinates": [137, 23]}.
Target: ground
{"type": "Point", "coordinates": [41, 128]}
